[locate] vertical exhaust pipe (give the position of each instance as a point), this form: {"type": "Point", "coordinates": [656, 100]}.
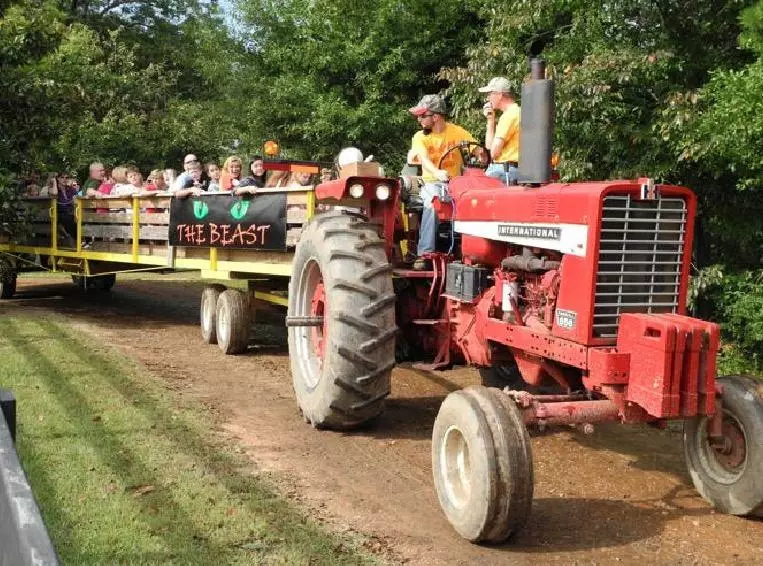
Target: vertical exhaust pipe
{"type": "Point", "coordinates": [536, 135]}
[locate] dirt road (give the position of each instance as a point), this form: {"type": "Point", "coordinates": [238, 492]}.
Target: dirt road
{"type": "Point", "coordinates": [620, 495]}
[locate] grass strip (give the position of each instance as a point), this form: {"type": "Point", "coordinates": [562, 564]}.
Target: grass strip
{"type": "Point", "coordinates": [124, 472]}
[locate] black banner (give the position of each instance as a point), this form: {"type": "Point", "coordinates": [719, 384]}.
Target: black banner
{"type": "Point", "coordinates": [225, 221]}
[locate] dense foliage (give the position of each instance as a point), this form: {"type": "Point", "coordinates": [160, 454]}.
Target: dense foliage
{"type": "Point", "coordinates": [670, 89]}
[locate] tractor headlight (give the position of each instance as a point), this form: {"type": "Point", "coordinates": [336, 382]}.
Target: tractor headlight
{"type": "Point", "coordinates": [382, 192]}
{"type": "Point", "coordinates": [357, 190]}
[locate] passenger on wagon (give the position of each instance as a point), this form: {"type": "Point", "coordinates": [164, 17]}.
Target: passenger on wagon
{"type": "Point", "coordinates": [257, 170]}
{"type": "Point", "coordinates": [231, 174]}
{"type": "Point", "coordinates": [65, 189]}
{"type": "Point", "coordinates": [135, 180]}
{"type": "Point", "coordinates": [156, 182]}
{"type": "Point", "coordinates": [121, 184]}
{"type": "Point", "coordinates": [169, 177]}
{"type": "Point", "coordinates": [191, 182]}
{"type": "Point", "coordinates": [97, 175]}
{"type": "Point", "coordinates": [256, 180]}
{"type": "Point", "coordinates": [213, 172]}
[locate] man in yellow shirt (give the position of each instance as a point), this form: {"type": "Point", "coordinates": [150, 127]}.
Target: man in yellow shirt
{"type": "Point", "coordinates": [436, 137]}
{"type": "Point", "coordinates": [502, 139]}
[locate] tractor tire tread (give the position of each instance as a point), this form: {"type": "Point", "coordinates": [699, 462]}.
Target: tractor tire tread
{"type": "Point", "coordinates": [343, 254]}
{"type": "Point", "coordinates": [379, 304]}
{"type": "Point", "coordinates": [349, 384]}
{"type": "Point", "coordinates": [366, 290]}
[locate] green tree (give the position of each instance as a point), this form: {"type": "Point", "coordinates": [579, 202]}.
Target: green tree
{"type": "Point", "coordinates": [329, 73]}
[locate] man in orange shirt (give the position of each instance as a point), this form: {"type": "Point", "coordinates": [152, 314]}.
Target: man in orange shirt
{"type": "Point", "coordinates": [436, 137]}
{"type": "Point", "coordinates": [502, 139]}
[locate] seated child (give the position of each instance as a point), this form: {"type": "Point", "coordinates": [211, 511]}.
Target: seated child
{"type": "Point", "coordinates": [213, 172]}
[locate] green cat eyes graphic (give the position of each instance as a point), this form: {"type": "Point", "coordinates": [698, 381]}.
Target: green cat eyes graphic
{"type": "Point", "coordinates": [200, 209]}
{"type": "Point", "coordinates": [238, 210]}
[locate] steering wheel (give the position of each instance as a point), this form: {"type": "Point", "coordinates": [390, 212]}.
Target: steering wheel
{"type": "Point", "coordinates": [468, 158]}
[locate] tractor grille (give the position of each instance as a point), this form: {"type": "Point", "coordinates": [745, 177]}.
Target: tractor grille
{"type": "Point", "coordinates": [640, 257]}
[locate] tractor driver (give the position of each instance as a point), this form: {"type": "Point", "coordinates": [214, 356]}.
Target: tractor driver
{"type": "Point", "coordinates": [435, 138]}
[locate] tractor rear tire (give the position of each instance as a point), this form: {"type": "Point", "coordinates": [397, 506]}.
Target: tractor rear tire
{"type": "Point", "coordinates": [208, 312]}
{"type": "Point", "coordinates": [482, 464]}
{"type": "Point", "coordinates": [7, 281]}
{"type": "Point", "coordinates": [341, 366]}
{"type": "Point", "coordinates": [233, 322]}
{"type": "Point", "coordinates": [730, 477]}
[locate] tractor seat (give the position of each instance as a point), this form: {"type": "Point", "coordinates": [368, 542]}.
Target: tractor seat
{"type": "Point", "coordinates": [410, 184]}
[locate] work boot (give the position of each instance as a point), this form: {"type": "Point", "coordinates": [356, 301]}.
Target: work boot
{"type": "Point", "coordinates": [422, 264]}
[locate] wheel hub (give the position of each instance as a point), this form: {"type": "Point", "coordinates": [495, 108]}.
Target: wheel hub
{"type": "Point", "coordinates": [318, 309]}
{"type": "Point", "coordinates": [731, 450]}
{"type": "Point", "coordinates": [454, 455]}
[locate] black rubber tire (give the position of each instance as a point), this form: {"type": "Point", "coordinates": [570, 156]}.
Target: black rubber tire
{"type": "Point", "coordinates": [349, 386]}
{"type": "Point", "coordinates": [737, 492]}
{"type": "Point", "coordinates": [233, 322]}
{"type": "Point", "coordinates": [97, 283]}
{"type": "Point", "coordinates": [208, 312]}
{"type": "Point", "coordinates": [7, 282]}
{"type": "Point", "coordinates": [479, 433]}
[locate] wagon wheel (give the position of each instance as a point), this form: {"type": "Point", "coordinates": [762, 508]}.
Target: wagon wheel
{"type": "Point", "coordinates": [7, 279]}
{"type": "Point", "coordinates": [99, 283]}
{"type": "Point", "coordinates": [208, 312]}
{"type": "Point", "coordinates": [233, 322]}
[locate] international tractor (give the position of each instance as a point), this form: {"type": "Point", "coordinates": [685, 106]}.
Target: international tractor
{"type": "Point", "coordinates": [570, 299]}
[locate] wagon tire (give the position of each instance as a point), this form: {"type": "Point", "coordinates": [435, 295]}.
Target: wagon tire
{"type": "Point", "coordinates": [729, 476]}
{"type": "Point", "coordinates": [8, 277]}
{"type": "Point", "coordinates": [97, 283]}
{"type": "Point", "coordinates": [208, 312]}
{"type": "Point", "coordinates": [482, 464]}
{"type": "Point", "coordinates": [233, 322]}
{"type": "Point", "coordinates": [341, 366]}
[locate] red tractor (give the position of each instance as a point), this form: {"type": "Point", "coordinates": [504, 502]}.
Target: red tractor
{"type": "Point", "coordinates": [570, 298]}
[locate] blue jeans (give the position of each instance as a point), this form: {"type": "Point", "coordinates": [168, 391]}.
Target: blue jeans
{"type": "Point", "coordinates": [428, 228]}
{"type": "Point", "coordinates": [498, 171]}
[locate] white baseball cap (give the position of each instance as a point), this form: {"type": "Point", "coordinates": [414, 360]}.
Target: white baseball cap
{"type": "Point", "coordinates": [498, 84]}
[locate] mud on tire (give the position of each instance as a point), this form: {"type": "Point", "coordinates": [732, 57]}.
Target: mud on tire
{"type": "Point", "coordinates": [482, 464]}
{"type": "Point", "coordinates": [233, 322]}
{"type": "Point", "coordinates": [731, 475]}
{"type": "Point", "coordinates": [341, 369]}
{"type": "Point", "coordinates": [208, 312]}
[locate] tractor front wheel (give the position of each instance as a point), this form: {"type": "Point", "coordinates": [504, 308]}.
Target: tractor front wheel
{"type": "Point", "coordinates": [341, 322]}
{"type": "Point", "coordinates": [728, 471]}
{"type": "Point", "coordinates": [482, 464]}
